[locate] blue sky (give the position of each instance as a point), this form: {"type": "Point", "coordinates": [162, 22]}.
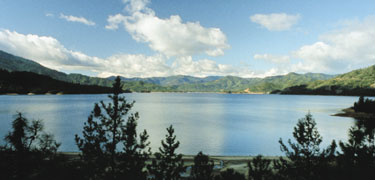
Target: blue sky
{"type": "Point", "coordinates": [144, 38]}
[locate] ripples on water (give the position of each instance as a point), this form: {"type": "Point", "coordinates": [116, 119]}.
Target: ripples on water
{"type": "Point", "coordinates": [217, 124]}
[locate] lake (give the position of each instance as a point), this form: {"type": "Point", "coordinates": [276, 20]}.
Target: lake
{"type": "Point", "coordinates": [217, 124]}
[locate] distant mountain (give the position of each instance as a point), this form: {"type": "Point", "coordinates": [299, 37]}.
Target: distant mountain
{"type": "Point", "coordinates": [170, 80]}
{"type": "Point", "coordinates": [178, 83]}
{"type": "Point", "coordinates": [357, 82]}
{"type": "Point", "coordinates": [255, 85]}
{"type": "Point", "coordinates": [272, 83]}
{"type": "Point", "coordinates": [21, 82]}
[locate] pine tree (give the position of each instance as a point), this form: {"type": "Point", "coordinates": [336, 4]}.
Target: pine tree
{"type": "Point", "coordinates": [136, 153]}
{"type": "Point", "coordinates": [104, 131]}
{"type": "Point", "coordinates": [357, 160]}
{"type": "Point", "coordinates": [260, 168]}
{"type": "Point", "coordinates": [202, 168]}
{"type": "Point", "coordinates": [168, 165]}
{"type": "Point", "coordinates": [27, 148]}
{"type": "Point", "coordinates": [230, 174]}
{"type": "Point", "coordinates": [306, 160]}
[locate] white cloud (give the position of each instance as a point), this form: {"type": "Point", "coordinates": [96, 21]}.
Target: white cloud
{"type": "Point", "coordinates": [43, 49]}
{"type": "Point", "coordinates": [275, 21]}
{"type": "Point", "coordinates": [136, 5]}
{"type": "Point", "coordinates": [77, 19]}
{"type": "Point", "coordinates": [348, 48]}
{"type": "Point", "coordinates": [170, 36]}
{"type": "Point", "coordinates": [49, 52]}
{"type": "Point", "coordinates": [114, 21]}
{"type": "Point", "coordinates": [272, 58]}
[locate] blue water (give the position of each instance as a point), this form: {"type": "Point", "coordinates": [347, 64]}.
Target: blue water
{"type": "Point", "coordinates": [217, 124]}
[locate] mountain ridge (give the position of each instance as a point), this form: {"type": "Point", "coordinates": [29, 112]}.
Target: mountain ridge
{"type": "Point", "coordinates": [178, 83]}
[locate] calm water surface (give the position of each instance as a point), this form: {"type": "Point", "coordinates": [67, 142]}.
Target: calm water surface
{"type": "Point", "coordinates": [217, 124]}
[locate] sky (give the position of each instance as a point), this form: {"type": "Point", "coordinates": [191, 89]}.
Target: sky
{"type": "Point", "coordinates": [153, 38]}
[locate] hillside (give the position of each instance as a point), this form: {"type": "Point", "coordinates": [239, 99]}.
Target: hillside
{"type": "Point", "coordinates": [28, 82]}
{"type": "Point", "coordinates": [357, 82]}
{"type": "Point", "coordinates": [10, 62]}
{"type": "Point", "coordinates": [255, 85]}
{"type": "Point", "coordinates": [170, 80]}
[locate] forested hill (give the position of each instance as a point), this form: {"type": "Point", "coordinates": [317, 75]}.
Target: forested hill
{"type": "Point", "coordinates": [171, 80]}
{"type": "Point", "coordinates": [27, 82]}
{"type": "Point", "coordinates": [253, 85]}
{"type": "Point", "coordinates": [10, 62]}
{"type": "Point", "coordinates": [357, 82]}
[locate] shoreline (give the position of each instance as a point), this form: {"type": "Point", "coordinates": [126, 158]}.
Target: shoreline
{"type": "Point", "coordinates": [349, 112]}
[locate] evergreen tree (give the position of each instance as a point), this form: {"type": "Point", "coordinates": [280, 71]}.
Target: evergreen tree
{"type": "Point", "coordinates": [167, 165]}
{"type": "Point", "coordinates": [27, 149]}
{"type": "Point", "coordinates": [306, 160]}
{"type": "Point", "coordinates": [94, 156]}
{"type": "Point", "coordinates": [230, 174]}
{"type": "Point", "coordinates": [104, 131]}
{"type": "Point", "coordinates": [202, 168]}
{"type": "Point", "coordinates": [260, 168]}
{"type": "Point", "coordinates": [357, 160]}
{"type": "Point", "coordinates": [136, 153]}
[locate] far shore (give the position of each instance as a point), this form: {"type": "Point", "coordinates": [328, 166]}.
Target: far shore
{"type": "Point", "coordinates": [61, 93]}
{"type": "Point", "coordinates": [222, 163]}
{"type": "Point", "coordinates": [349, 112]}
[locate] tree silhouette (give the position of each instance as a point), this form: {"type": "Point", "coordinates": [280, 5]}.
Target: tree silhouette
{"type": "Point", "coordinates": [306, 160]}
{"type": "Point", "coordinates": [357, 160]}
{"type": "Point", "coordinates": [260, 168]}
{"type": "Point", "coordinates": [230, 174]}
{"type": "Point", "coordinates": [104, 131]}
{"type": "Point", "coordinates": [167, 165]}
{"type": "Point", "coordinates": [136, 153]}
{"type": "Point", "coordinates": [26, 150]}
{"type": "Point", "coordinates": [202, 168]}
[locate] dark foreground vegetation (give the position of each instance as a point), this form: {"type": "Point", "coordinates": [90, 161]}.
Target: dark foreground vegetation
{"type": "Point", "coordinates": [112, 148]}
{"type": "Point", "coordinates": [364, 105]}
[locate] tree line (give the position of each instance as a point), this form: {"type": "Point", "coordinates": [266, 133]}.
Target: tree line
{"type": "Point", "coordinates": [111, 148]}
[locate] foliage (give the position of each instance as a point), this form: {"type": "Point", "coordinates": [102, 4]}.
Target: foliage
{"type": "Point", "coordinates": [230, 174]}
{"type": "Point", "coordinates": [305, 159]}
{"type": "Point", "coordinates": [364, 105]}
{"type": "Point", "coordinates": [260, 168]}
{"type": "Point", "coordinates": [104, 131]}
{"type": "Point", "coordinates": [167, 165]}
{"type": "Point", "coordinates": [26, 151]}
{"type": "Point", "coordinates": [202, 168]}
{"type": "Point", "coordinates": [357, 160]}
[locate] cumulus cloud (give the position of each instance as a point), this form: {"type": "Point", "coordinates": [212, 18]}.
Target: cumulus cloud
{"type": "Point", "coordinates": [170, 36]}
{"type": "Point", "coordinates": [275, 21]}
{"type": "Point", "coordinates": [44, 49]}
{"type": "Point", "coordinates": [272, 58]}
{"type": "Point", "coordinates": [344, 49]}
{"type": "Point", "coordinates": [49, 52]}
{"type": "Point", "coordinates": [77, 19]}
{"type": "Point", "coordinates": [347, 48]}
